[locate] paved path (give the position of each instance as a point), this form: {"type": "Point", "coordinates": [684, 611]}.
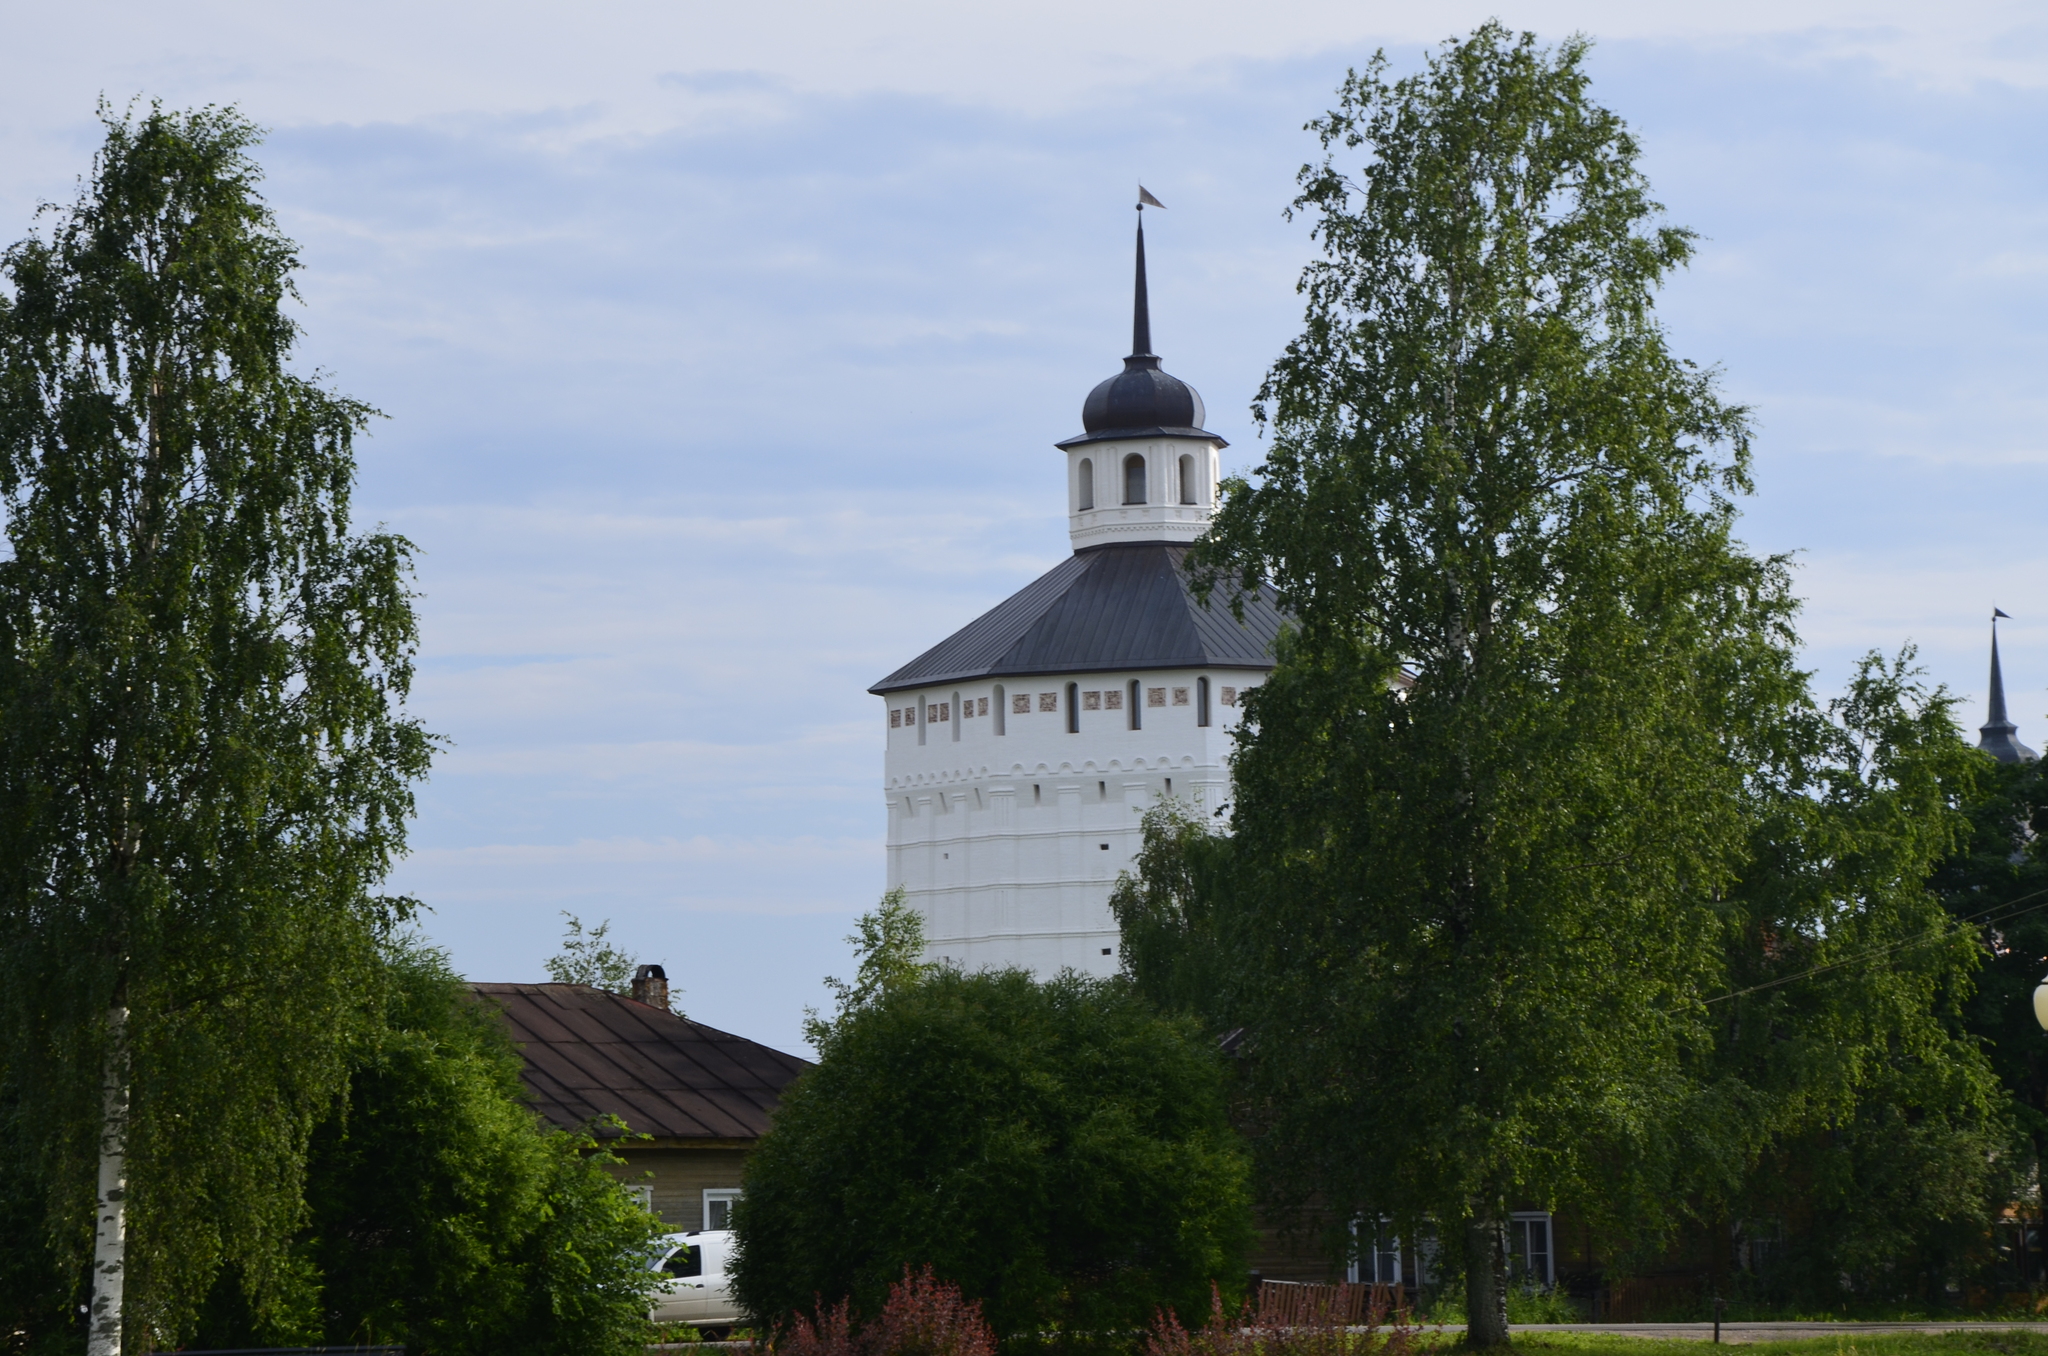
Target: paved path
{"type": "Point", "coordinates": [1772, 1332]}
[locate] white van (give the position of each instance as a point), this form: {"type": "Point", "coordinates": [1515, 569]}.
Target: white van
{"type": "Point", "coordinates": [693, 1288]}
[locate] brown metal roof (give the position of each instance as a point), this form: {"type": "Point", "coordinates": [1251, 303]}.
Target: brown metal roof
{"type": "Point", "coordinates": [590, 1053]}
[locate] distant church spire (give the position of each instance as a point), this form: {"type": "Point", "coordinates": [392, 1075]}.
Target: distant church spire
{"type": "Point", "coordinates": [1997, 732]}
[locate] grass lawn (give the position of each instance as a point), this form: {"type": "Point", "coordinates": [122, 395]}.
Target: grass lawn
{"type": "Point", "coordinates": [1990, 1343]}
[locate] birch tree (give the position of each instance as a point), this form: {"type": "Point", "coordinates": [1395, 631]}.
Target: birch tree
{"type": "Point", "coordinates": [1489, 803]}
{"type": "Point", "coordinates": [204, 766]}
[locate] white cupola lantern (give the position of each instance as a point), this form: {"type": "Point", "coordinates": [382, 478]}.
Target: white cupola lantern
{"type": "Point", "coordinates": [1143, 468]}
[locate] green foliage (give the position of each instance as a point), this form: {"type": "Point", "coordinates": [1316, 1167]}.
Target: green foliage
{"type": "Point", "coordinates": [40, 1292]}
{"type": "Point", "coordinates": [1057, 1150]}
{"type": "Point", "coordinates": [203, 771]}
{"type": "Point", "coordinates": [1842, 1101]}
{"type": "Point", "coordinates": [444, 1215]}
{"type": "Point", "coordinates": [1968, 1340]}
{"type": "Point", "coordinates": [1997, 884]}
{"type": "Point", "coordinates": [889, 944]}
{"type": "Point", "coordinates": [1536, 775]}
{"type": "Point", "coordinates": [587, 958]}
{"type": "Point", "coordinates": [1508, 742]}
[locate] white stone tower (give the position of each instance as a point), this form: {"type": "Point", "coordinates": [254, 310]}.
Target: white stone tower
{"type": "Point", "coordinates": [1024, 748]}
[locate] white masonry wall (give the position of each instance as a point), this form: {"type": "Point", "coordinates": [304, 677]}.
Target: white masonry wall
{"type": "Point", "coordinates": [1181, 475]}
{"type": "Point", "coordinates": [1007, 831]}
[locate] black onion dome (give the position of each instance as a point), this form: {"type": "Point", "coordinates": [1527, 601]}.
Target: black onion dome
{"type": "Point", "coordinates": [1141, 399]}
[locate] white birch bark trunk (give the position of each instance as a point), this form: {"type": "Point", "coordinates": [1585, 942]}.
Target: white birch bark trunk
{"type": "Point", "coordinates": [1486, 1278]}
{"type": "Point", "coordinates": [110, 1229]}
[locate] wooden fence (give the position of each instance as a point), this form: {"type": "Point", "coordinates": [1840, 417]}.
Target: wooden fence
{"type": "Point", "coordinates": [1296, 1304]}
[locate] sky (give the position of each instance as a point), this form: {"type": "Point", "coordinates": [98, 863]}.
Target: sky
{"type": "Point", "coordinates": [722, 350]}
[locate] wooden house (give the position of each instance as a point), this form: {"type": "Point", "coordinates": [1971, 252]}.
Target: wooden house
{"type": "Point", "coordinates": [701, 1097]}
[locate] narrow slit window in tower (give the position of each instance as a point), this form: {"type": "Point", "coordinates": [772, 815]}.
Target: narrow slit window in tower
{"type": "Point", "coordinates": [1187, 480]}
{"type": "Point", "coordinates": [1073, 708]}
{"type": "Point", "coordinates": [1086, 498]}
{"type": "Point", "coordinates": [1000, 711]}
{"type": "Point", "coordinates": [1201, 701]}
{"type": "Point", "coordinates": [1134, 479]}
{"type": "Point", "coordinates": [1137, 720]}
{"type": "Point", "coordinates": [956, 713]}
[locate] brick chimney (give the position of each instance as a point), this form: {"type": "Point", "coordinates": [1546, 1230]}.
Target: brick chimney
{"type": "Point", "coordinates": [650, 986]}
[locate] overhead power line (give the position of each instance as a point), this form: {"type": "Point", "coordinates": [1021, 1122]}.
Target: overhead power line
{"type": "Point", "coordinates": [1998, 913]}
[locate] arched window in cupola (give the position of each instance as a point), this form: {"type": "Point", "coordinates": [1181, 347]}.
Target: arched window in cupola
{"type": "Point", "coordinates": [1086, 498]}
{"type": "Point", "coordinates": [1187, 480]}
{"type": "Point", "coordinates": [1134, 479]}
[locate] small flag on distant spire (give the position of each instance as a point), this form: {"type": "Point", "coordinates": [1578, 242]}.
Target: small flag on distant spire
{"type": "Point", "coordinates": [1145, 199]}
{"type": "Point", "coordinates": [1996, 614]}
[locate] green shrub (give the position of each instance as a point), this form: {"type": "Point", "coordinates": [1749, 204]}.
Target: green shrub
{"type": "Point", "coordinates": [1058, 1150]}
{"type": "Point", "coordinates": [443, 1214]}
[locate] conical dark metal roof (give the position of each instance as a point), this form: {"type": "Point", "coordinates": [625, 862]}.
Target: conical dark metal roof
{"type": "Point", "coordinates": [1124, 606]}
{"type": "Point", "coordinates": [1999, 734]}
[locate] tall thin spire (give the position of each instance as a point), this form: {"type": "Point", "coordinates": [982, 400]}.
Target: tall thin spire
{"type": "Point", "coordinates": [1141, 307]}
{"type": "Point", "coordinates": [1997, 733]}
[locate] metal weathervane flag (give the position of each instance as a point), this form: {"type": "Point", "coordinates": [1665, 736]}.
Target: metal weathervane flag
{"type": "Point", "coordinates": [1145, 199]}
{"type": "Point", "coordinates": [1995, 613]}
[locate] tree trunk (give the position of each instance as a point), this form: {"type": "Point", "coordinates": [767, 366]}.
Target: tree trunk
{"type": "Point", "coordinates": [1486, 1278]}
{"type": "Point", "coordinates": [110, 1230]}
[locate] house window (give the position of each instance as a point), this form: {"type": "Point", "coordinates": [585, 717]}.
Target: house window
{"type": "Point", "coordinates": [1529, 1247]}
{"type": "Point", "coordinates": [1379, 1255]}
{"type": "Point", "coordinates": [1760, 1246]}
{"type": "Point", "coordinates": [1137, 721]}
{"type": "Point", "coordinates": [1073, 708]}
{"type": "Point", "coordinates": [1134, 479]}
{"type": "Point", "coordinates": [643, 1196]}
{"type": "Point", "coordinates": [1201, 701]}
{"type": "Point", "coordinates": [718, 1202]}
{"type": "Point", "coordinates": [1087, 485]}
{"type": "Point", "coordinates": [1187, 480]}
